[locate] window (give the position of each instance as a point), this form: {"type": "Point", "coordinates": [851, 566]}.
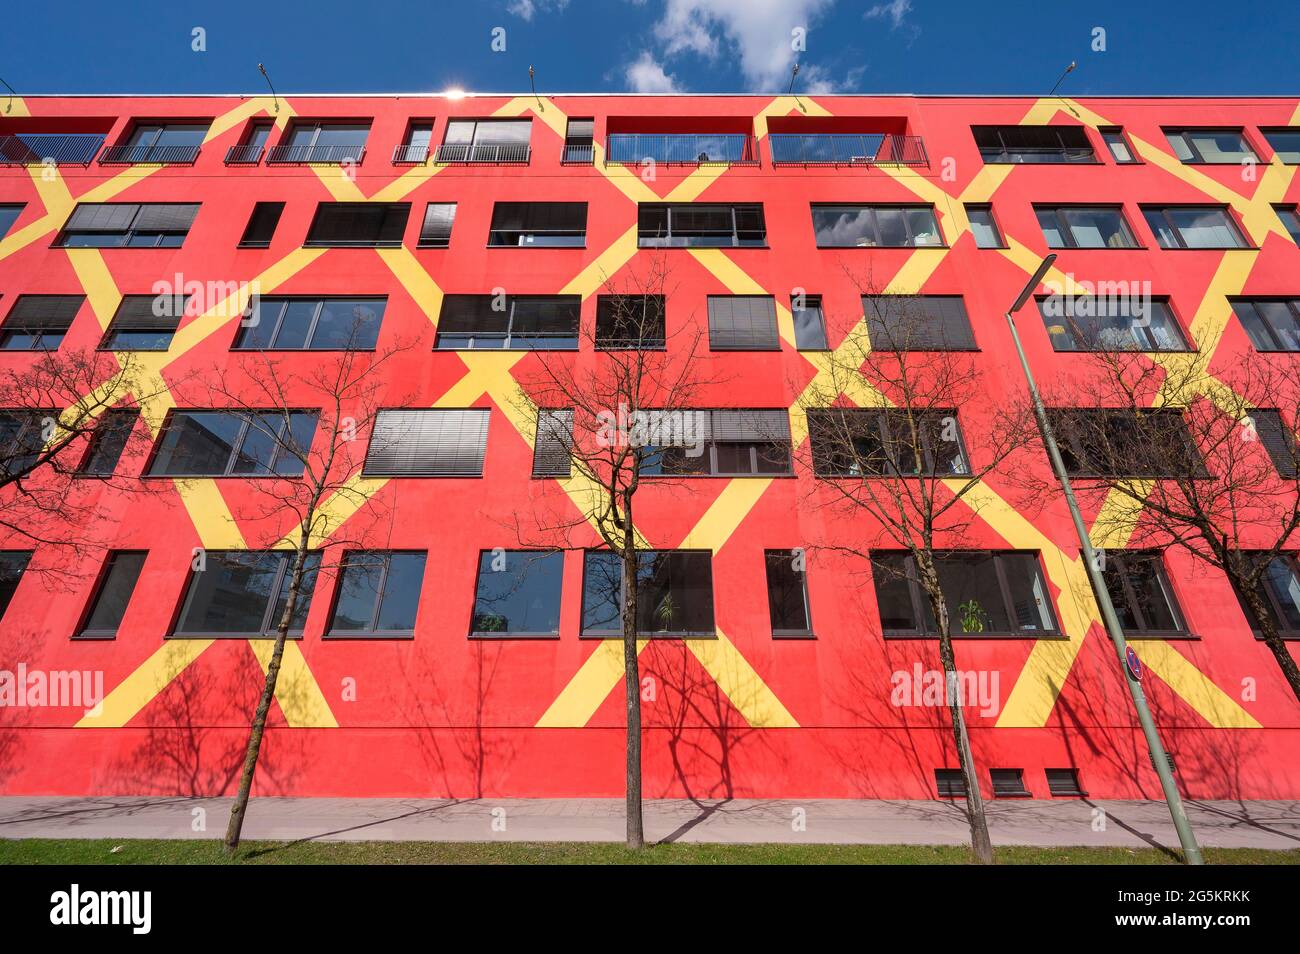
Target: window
{"type": "Point", "coordinates": [159, 142]}
{"type": "Point", "coordinates": [1290, 217]}
{"type": "Point", "coordinates": [553, 443]}
{"type": "Point", "coordinates": [1033, 144]}
{"type": "Point", "coordinates": [1084, 226]}
{"type": "Point", "coordinates": [984, 227]}
{"type": "Point", "coordinates": [1272, 324]}
{"type": "Point", "coordinates": [1008, 783]}
{"type": "Point", "coordinates": [1194, 226]}
{"type": "Point", "coordinates": [427, 442]}
{"type": "Point", "coordinates": [485, 140]}
{"type": "Point", "coordinates": [370, 224]}
{"type": "Point", "coordinates": [743, 323]}
{"type": "Point", "coordinates": [310, 142]}
{"type": "Point", "coordinates": [108, 442]}
{"type": "Point", "coordinates": [539, 224]}
{"type": "Point", "coordinates": [248, 151]}
{"type": "Point", "coordinates": [1279, 590]}
{"type": "Point", "coordinates": [578, 142]}
{"type": "Point", "coordinates": [674, 590]}
{"type": "Point", "coordinates": [378, 595]}
{"type": "Point", "coordinates": [414, 149]}
{"type": "Point", "coordinates": [988, 594]}
{"type": "Point", "coordinates": [1285, 143]}
{"type": "Point", "coordinates": [435, 231]}
{"type": "Point", "coordinates": [787, 593]}
{"type": "Point", "coordinates": [857, 442]}
{"type": "Point", "coordinates": [519, 322]}
{"type": "Point", "coordinates": [518, 593]}
{"type": "Point", "coordinates": [1063, 781]}
{"type": "Point", "coordinates": [1141, 594]}
{"type": "Point", "coordinates": [694, 225]}
{"type": "Point", "coordinates": [144, 323]}
{"type": "Point", "coordinates": [261, 225]}
{"type": "Point", "coordinates": [1124, 443]}
{"type": "Point", "coordinates": [1120, 149]}
{"type": "Point", "coordinates": [312, 324]}
{"type": "Point", "coordinates": [8, 216]}
{"type": "Point", "coordinates": [630, 322]}
{"type": "Point", "coordinates": [243, 593]}
{"type": "Point", "coordinates": [950, 783]}
{"type": "Point", "coordinates": [1279, 441]}
{"type": "Point", "coordinates": [127, 225]}
{"type": "Point", "coordinates": [809, 322]}
{"type": "Point", "coordinates": [12, 565]}
{"type": "Point", "coordinates": [22, 439]}
{"type": "Point", "coordinates": [718, 443]}
{"type": "Point", "coordinates": [39, 322]}
{"type": "Point", "coordinates": [1208, 146]}
{"type": "Point", "coordinates": [918, 323]}
{"type": "Point", "coordinates": [875, 226]}
{"type": "Point", "coordinates": [234, 444]}
{"type": "Point", "coordinates": [1110, 323]}
{"type": "Point", "coordinates": [113, 593]}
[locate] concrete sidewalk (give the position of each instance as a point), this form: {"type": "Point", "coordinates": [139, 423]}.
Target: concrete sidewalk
{"type": "Point", "coordinates": [1259, 824]}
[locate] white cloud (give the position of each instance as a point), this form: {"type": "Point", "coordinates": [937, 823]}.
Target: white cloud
{"type": "Point", "coordinates": [527, 9]}
{"type": "Point", "coordinates": [646, 75]}
{"type": "Point", "coordinates": [895, 11]}
{"type": "Point", "coordinates": [817, 81]}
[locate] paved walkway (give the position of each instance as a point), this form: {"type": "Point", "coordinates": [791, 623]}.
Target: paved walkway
{"type": "Point", "coordinates": [1260, 824]}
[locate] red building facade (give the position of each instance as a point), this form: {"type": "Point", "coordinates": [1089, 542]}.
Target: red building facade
{"type": "Point", "coordinates": [454, 707]}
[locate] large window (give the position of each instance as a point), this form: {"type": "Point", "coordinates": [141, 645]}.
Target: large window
{"type": "Point", "coordinates": [1084, 226]}
{"type": "Point", "coordinates": [127, 225]}
{"type": "Point", "coordinates": [485, 140]}
{"type": "Point", "coordinates": [159, 142]}
{"type": "Point", "coordinates": [1208, 146]}
{"type": "Point", "coordinates": [1284, 141]}
{"type": "Point", "coordinates": [718, 443]}
{"type": "Point", "coordinates": [363, 224]}
{"type": "Point", "coordinates": [858, 442]}
{"type": "Point", "coordinates": [743, 323]}
{"type": "Point", "coordinates": [787, 593]}
{"type": "Point", "coordinates": [1279, 589]}
{"type": "Point", "coordinates": [518, 593]}
{"type": "Point", "coordinates": [1141, 594]}
{"type": "Point", "coordinates": [918, 323]}
{"type": "Point", "coordinates": [144, 323]}
{"type": "Point", "coordinates": [234, 444]}
{"type": "Point", "coordinates": [243, 593]}
{"type": "Point", "coordinates": [328, 142]}
{"type": "Point", "coordinates": [378, 595]}
{"type": "Point", "coordinates": [988, 594]}
{"type": "Point", "coordinates": [674, 591]}
{"type": "Point", "coordinates": [312, 324]}
{"type": "Point", "coordinates": [700, 226]}
{"type": "Point", "coordinates": [39, 322]}
{"type": "Point", "coordinates": [630, 322]}
{"type": "Point", "coordinates": [875, 226]}
{"type": "Point", "coordinates": [1110, 323]}
{"type": "Point", "coordinates": [12, 565]}
{"type": "Point", "coordinates": [112, 594]}
{"type": "Point", "coordinates": [1124, 443]}
{"type": "Point", "coordinates": [427, 442]}
{"type": "Point", "coordinates": [1193, 226]}
{"type": "Point", "coordinates": [538, 224]}
{"type": "Point", "coordinates": [517, 322]}
{"type": "Point", "coordinates": [1272, 324]}
{"type": "Point", "coordinates": [1033, 144]}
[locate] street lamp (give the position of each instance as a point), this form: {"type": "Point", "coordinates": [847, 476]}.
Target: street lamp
{"type": "Point", "coordinates": [1128, 663]}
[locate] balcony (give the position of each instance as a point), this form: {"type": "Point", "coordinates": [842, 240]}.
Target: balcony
{"type": "Point", "coordinates": [247, 154]}
{"type": "Point", "coordinates": [306, 155]}
{"type": "Point", "coordinates": [62, 149]}
{"type": "Point", "coordinates": [847, 149]}
{"type": "Point", "coordinates": [578, 155]}
{"type": "Point", "coordinates": [686, 149]}
{"type": "Point", "coordinates": [499, 153]}
{"type": "Point", "coordinates": [410, 154]}
{"type": "Point", "coordinates": [128, 155]}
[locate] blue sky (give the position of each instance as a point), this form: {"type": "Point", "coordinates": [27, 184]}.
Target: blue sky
{"type": "Point", "coordinates": [921, 46]}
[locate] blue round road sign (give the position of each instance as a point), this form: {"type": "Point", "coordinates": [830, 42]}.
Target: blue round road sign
{"type": "Point", "coordinates": [1132, 662]}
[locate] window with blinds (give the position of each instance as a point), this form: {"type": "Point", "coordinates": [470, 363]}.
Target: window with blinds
{"type": "Point", "coordinates": [718, 442]}
{"type": "Point", "coordinates": [530, 322]}
{"type": "Point", "coordinates": [361, 224]}
{"type": "Point", "coordinates": [127, 224]}
{"type": "Point", "coordinates": [553, 444]}
{"type": "Point", "coordinates": [538, 225]}
{"type": "Point", "coordinates": [428, 442]}
{"type": "Point", "coordinates": [918, 323]}
{"type": "Point", "coordinates": [743, 323]}
{"type": "Point", "coordinates": [435, 231]}
{"type": "Point", "coordinates": [692, 225]}
{"type": "Point", "coordinates": [261, 225]}
{"type": "Point", "coordinates": [144, 323]}
{"type": "Point", "coordinates": [1124, 443]}
{"type": "Point", "coordinates": [1278, 440]}
{"type": "Point", "coordinates": [39, 322]}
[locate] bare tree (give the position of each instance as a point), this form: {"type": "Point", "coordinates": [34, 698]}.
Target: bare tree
{"type": "Point", "coordinates": [612, 406]}
{"type": "Point", "coordinates": [886, 445]}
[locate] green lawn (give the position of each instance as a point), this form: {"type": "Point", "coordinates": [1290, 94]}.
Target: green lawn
{"type": "Point", "coordinates": [128, 852]}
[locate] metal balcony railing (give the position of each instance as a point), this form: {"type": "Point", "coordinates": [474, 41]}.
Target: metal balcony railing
{"type": "Point", "coordinates": [578, 155]}
{"type": "Point", "coordinates": [130, 155]}
{"type": "Point", "coordinates": [488, 152]}
{"type": "Point", "coordinates": [315, 155]}
{"type": "Point", "coordinates": [244, 155]}
{"type": "Point", "coordinates": [847, 149]}
{"type": "Point", "coordinates": [694, 149]}
{"type": "Point", "coordinates": [71, 149]}
{"type": "Point", "coordinates": [410, 154]}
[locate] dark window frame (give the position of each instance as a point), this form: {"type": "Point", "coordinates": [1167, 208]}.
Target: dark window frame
{"type": "Point", "coordinates": [1075, 454]}
{"type": "Point", "coordinates": [97, 593]}
{"type": "Point", "coordinates": [992, 223]}
{"type": "Point", "coordinates": [326, 207]}
{"type": "Point", "coordinates": [1185, 133]}
{"type": "Point", "coordinates": [807, 631]}
{"type": "Point", "coordinates": [1123, 561]}
{"type": "Point", "coordinates": [270, 625]}
{"type": "Point", "coordinates": [812, 304]}
{"type": "Point", "coordinates": [6, 598]}
{"type": "Point", "coordinates": [879, 422]}
{"type": "Point", "coordinates": [509, 337]}
{"type": "Point", "coordinates": [1286, 130]}
{"type": "Point", "coordinates": [37, 328]}
{"type": "Point", "coordinates": [1066, 229]}
{"type": "Point", "coordinates": [1182, 246]}
{"type": "Point", "coordinates": [103, 432]}
{"type": "Point", "coordinates": [381, 590]}
{"type": "Point", "coordinates": [435, 239]}
{"type": "Point", "coordinates": [1162, 300]}
{"type": "Point", "coordinates": [1118, 132]}
{"type": "Point", "coordinates": [237, 444]}
{"type": "Point", "coordinates": [585, 633]}
{"type": "Point", "coordinates": [874, 208]}
{"type": "Point", "coordinates": [532, 232]}
{"type": "Point", "coordinates": [890, 345]}
{"type": "Point", "coordinates": [710, 451]}
{"type": "Point", "coordinates": [131, 232]}
{"type": "Point", "coordinates": [1000, 155]}
{"type": "Point", "coordinates": [126, 323]}
{"type": "Point", "coordinates": [608, 343]}
{"type": "Point", "coordinates": [475, 633]}
{"type": "Point", "coordinates": [1284, 211]}
{"type": "Point", "coordinates": [270, 213]}
{"type": "Point", "coordinates": [284, 301]}
{"type": "Point", "coordinates": [484, 413]}
{"type": "Point", "coordinates": [1293, 307]}
{"type": "Point", "coordinates": [669, 239]}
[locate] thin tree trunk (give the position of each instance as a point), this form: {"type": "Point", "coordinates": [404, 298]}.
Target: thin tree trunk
{"type": "Point", "coordinates": [1276, 644]}
{"type": "Point", "coordinates": [239, 809]}
{"type": "Point", "coordinates": [632, 681]}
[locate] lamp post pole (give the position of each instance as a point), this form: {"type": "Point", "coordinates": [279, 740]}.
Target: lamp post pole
{"type": "Point", "coordinates": [1191, 851]}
